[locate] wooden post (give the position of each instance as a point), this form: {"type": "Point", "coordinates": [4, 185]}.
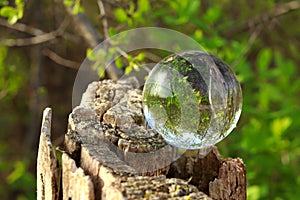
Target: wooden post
{"type": "Point", "coordinates": [47, 165]}
{"type": "Point", "coordinates": [110, 154]}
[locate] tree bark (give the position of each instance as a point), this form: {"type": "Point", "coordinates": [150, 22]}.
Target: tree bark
{"type": "Point", "coordinates": [110, 154]}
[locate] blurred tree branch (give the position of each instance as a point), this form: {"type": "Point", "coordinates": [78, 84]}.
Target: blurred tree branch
{"type": "Point", "coordinates": [60, 60]}
{"type": "Point", "coordinates": [104, 18]}
{"type": "Point", "coordinates": [91, 35]}
{"type": "Point", "coordinates": [21, 27]}
{"type": "Point", "coordinates": [264, 18]}
{"type": "Point", "coordinates": [85, 28]}
{"type": "Point", "coordinates": [250, 42]}
{"type": "Point", "coordinates": [40, 36]}
{"type": "Point", "coordinates": [256, 25]}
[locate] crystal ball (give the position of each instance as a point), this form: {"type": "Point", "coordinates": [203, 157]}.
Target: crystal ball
{"type": "Point", "coordinates": [192, 99]}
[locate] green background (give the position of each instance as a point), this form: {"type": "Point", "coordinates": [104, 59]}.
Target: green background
{"type": "Point", "coordinates": [259, 39]}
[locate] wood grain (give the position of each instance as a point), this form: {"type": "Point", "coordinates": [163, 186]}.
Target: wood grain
{"type": "Point", "coordinates": [110, 154]}
{"type": "Point", "coordinates": [47, 166]}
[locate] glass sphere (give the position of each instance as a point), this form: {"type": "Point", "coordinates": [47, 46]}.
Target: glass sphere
{"type": "Point", "coordinates": [192, 99]}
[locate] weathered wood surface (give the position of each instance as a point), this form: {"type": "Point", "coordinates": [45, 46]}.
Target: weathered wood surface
{"type": "Point", "coordinates": [231, 180]}
{"type": "Point", "coordinates": [47, 165]}
{"type": "Point", "coordinates": [75, 184]}
{"type": "Point", "coordinates": [122, 159]}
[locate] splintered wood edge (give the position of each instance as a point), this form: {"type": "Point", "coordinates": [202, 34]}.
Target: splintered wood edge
{"type": "Point", "coordinates": [106, 176]}
{"type": "Point", "coordinates": [118, 183]}
{"type": "Point", "coordinates": [76, 185]}
{"type": "Point", "coordinates": [106, 184]}
{"type": "Point", "coordinates": [101, 164]}
{"type": "Point", "coordinates": [105, 181]}
{"type": "Point", "coordinates": [47, 166]}
{"type": "Point", "coordinates": [231, 181]}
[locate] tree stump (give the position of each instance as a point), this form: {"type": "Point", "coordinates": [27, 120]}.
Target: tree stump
{"type": "Point", "coordinates": [111, 154]}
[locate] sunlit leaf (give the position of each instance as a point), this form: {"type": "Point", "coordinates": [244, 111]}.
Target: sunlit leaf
{"type": "Point", "coordinates": [68, 2]}
{"type": "Point", "coordinates": [120, 15]}
{"type": "Point", "coordinates": [13, 19]}
{"type": "Point", "coordinates": [198, 34]}
{"type": "Point", "coordinates": [90, 54]}
{"type": "Point", "coordinates": [135, 66]}
{"type": "Point", "coordinates": [253, 192]}
{"type": "Point", "coordinates": [19, 2]}
{"type": "Point", "coordinates": [119, 63]}
{"type": "Point", "coordinates": [143, 6]}
{"type": "Point", "coordinates": [279, 125]}
{"type": "Point", "coordinates": [101, 71]}
{"type": "Point", "coordinates": [7, 11]}
{"type": "Point", "coordinates": [128, 70]}
{"type": "Point", "coordinates": [140, 56]}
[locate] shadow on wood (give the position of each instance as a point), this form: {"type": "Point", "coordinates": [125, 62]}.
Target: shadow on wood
{"type": "Point", "coordinates": [110, 154]}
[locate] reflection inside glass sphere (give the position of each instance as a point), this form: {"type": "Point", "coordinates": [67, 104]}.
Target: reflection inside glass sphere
{"type": "Point", "coordinates": [192, 99]}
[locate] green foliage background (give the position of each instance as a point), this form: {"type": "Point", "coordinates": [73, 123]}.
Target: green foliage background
{"type": "Point", "coordinates": [262, 49]}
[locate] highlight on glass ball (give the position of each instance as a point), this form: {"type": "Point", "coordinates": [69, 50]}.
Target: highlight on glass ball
{"type": "Point", "coordinates": [192, 99]}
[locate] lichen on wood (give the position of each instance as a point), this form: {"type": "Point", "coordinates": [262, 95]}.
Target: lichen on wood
{"type": "Point", "coordinates": [119, 157]}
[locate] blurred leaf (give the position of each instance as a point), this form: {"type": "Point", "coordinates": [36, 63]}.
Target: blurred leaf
{"type": "Point", "coordinates": [90, 54]}
{"type": "Point", "coordinates": [264, 97]}
{"type": "Point", "coordinates": [68, 2]}
{"type": "Point", "coordinates": [279, 125]}
{"type": "Point", "coordinates": [21, 180]}
{"type": "Point", "coordinates": [212, 14]}
{"type": "Point", "coordinates": [101, 71]}
{"type": "Point", "coordinates": [128, 69]}
{"type": "Point", "coordinates": [76, 7]}
{"type": "Point", "coordinates": [17, 173]}
{"type": "Point", "coordinates": [20, 8]}
{"type": "Point", "coordinates": [95, 54]}
{"type": "Point", "coordinates": [243, 71]}
{"type": "Point", "coordinates": [129, 58]}
{"type": "Point", "coordinates": [198, 34]}
{"type": "Point", "coordinates": [7, 11]}
{"type": "Point", "coordinates": [19, 2]}
{"type": "Point", "coordinates": [119, 63]}
{"type": "Point", "coordinates": [120, 15]}
{"type": "Point", "coordinates": [112, 31]}
{"type": "Point", "coordinates": [13, 13]}
{"type": "Point", "coordinates": [185, 11]}
{"type": "Point", "coordinates": [193, 7]}
{"type": "Point", "coordinates": [140, 56]}
{"type": "Point", "coordinates": [135, 67]}
{"type": "Point", "coordinates": [264, 59]}
{"type": "Point", "coordinates": [253, 192]}
{"type": "Point", "coordinates": [143, 6]}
